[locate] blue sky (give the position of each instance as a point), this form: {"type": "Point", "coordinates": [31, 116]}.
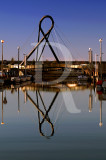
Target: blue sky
{"type": "Point", "coordinates": [82, 21]}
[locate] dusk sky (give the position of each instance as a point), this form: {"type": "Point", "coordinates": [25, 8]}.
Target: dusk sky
{"type": "Point", "coordinates": [82, 21]}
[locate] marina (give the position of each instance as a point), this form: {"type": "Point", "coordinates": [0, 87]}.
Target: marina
{"type": "Point", "coordinates": [56, 71]}
{"type": "Point", "coordinates": [52, 80]}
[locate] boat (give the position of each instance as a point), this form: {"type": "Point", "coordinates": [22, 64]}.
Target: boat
{"type": "Point", "coordinates": [99, 85]}
{"type": "Point", "coordinates": [23, 79]}
{"type": "Point", "coordinates": [1, 82]}
{"type": "Point", "coordinates": [104, 85]}
{"type": "Point", "coordinates": [15, 79]}
{"type": "Point", "coordinates": [28, 77]}
{"type": "Point", "coordinates": [82, 78]}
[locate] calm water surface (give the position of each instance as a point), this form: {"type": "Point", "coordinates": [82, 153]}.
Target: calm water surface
{"type": "Point", "coordinates": [52, 123]}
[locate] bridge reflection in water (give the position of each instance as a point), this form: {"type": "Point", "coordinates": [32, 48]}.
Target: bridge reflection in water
{"type": "Point", "coordinates": [45, 115]}
{"type": "Point", "coordinates": [44, 110]}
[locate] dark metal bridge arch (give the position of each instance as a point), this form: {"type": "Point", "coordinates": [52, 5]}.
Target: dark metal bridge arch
{"type": "Point", "coordinates": [45, 37]}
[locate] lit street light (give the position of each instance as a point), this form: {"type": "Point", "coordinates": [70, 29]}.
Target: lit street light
{"type": "Point", "coordinates": [25, 63]}
{"type": "Point", "coordinates": [100, 40]}
{"type": "Point", "coordinates": [2, 41]}
{"type": "Point", "coordinates": [96, 55]}
{"type": "Point", "coordinates": [18, 58]}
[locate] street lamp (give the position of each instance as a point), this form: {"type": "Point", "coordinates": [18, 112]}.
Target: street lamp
{"type": "Point", "coordinates": [18, 58]}
{"type": "Point", "coordinates": [90, 55]}
{"type": "Point", "coordinates": [25, 62]}
{"type": "Point", "coordinates": [96, 55]}
{"type": "Point", "coordinates": [100, 40]}
{"type": "Point", "coordinates": [2, 41]}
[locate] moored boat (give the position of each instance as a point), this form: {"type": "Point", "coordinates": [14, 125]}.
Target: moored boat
{"type": "Point", "coordinates": [23, 79]}
{"type": "Point", "coordinates": [104, 85]}
{"type": "Point", "coordinates": [82, 78]}
{"type": "Point", "coordinates": [15, 79]}
{"type": "Point", "coordinates": [99, 85]}
{"type": "Point", "coordinates": [28, 77]}
{"type": "Point", "coordinates": [1, 82]}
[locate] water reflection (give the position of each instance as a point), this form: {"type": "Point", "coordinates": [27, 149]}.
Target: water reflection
{"type": "Point", "coordinates": [45, 116]}
{"type": "Point", "coordinates": [2, 122]}
{"type": "Point", "coordinates": [101, 97]}
{"type": "Point", "coordinates": [90, 100]}
{"type": "Point", "coordinates": [100, 124]}
{"type": "Point", "coordinates": [5, 99]}
{"type": "Point", "coordinates": [45, 111]}
{"type": "Point", "coordinates": [18, 100]}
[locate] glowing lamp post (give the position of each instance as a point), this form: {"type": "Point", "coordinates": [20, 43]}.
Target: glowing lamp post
{"type": "Point", "coordinates": [2, 41]}
{"type": "Point", "coordinates": [18, 59]}
{"type": "Point", "coordinates": [25, 62]}
{"type": "Point", "coordinates": [100, 40]}
{"type": "Point", "coordinates": [96, 65]}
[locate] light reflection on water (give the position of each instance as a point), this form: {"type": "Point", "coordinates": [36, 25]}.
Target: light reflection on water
{"type": "Point", "coordinates": [52, 123]}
